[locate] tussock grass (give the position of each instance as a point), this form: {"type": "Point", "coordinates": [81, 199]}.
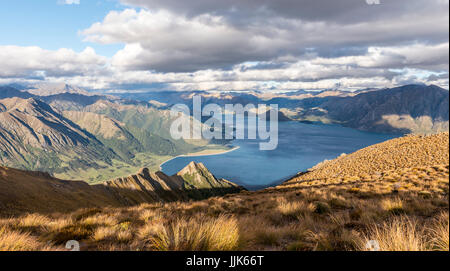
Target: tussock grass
{"type": "Point", "coordinates": [105, 233]}
{"type": "Point", "coordinates": [198, 234]}
{"type": "Point", "coordinates": [34, 220]}
{"type": "Point", "coordinates": [399, 234]}
{"type": "Point", "coordinates": [294, 209]}
{"type": "Point", "coordinates": [17, 241]}
{"type": "Point", "coordinates": [72, 232]}
{"type": "Point", "coordinates": [394, 206]}
{"type": "Point", "coordinates": [439, 233]}
{"type": "Point", "coordinates": [100, 219]}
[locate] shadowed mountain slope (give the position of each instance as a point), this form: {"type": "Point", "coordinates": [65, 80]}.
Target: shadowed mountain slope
{"type": "Point", "coordinates": [10, 92]}
{"type": "Point", "coordinates": [26, 191]}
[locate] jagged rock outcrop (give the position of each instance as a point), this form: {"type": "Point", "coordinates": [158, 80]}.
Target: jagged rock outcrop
{"type": "Point", "coordinates": [194, 181]}
{"type": "Point", "coordinates": [28, 191]}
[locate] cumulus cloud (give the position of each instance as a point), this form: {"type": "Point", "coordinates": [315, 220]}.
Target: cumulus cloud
{"type": "Point", "coordinates": [166, 42]}
{"type": "Point", "coordinates": [18, 61]}
{"type": "Point", "coordinates": [422, 56]}
{"type": "Point", "coordinates": [177, 36]}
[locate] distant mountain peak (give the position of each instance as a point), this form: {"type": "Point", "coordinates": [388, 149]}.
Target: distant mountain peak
{"type": "Point", "coordinates": [48, 89]}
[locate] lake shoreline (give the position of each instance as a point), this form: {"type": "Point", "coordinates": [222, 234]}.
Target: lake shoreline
{"type": "Point", "coordinates": [198, 154]}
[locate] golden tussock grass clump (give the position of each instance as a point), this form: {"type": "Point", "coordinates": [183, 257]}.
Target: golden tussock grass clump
{"type": "Point", "coordinates": [101, 219]}
{"type": "Point", "coordinates": [105, 233]}
{"type": "Point", "coordinates": [405, 233]}
{"type": "Point", "coordinates": [150, 230]}
{"type": "Point", "coordinates": [34, 220]}
{"type": "Point", "coordinates": [294, 209]}
{"type": "Point", "coordinates": [399, 234]}
{"type": "Point", "coordinates": [124, 236]}
{"type": "Point", "coordinates": [439, 232]}
{"type": "Point", "coordinates": [16, 241]}
{"type": "Point", "coordinates": [394, 206]}
{"type": "Point", "coordinates": [198, 234]}
{"type": "Point", "coordinates": [120, 233]}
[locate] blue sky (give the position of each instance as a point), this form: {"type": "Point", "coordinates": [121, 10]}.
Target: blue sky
{"type": "Point", "coordinates": [224, 45]}
{"type": "Point", "coordinates": [51, 25]}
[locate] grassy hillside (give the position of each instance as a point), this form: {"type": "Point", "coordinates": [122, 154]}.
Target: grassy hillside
{"type": "Point", "coordinates": [340, 205]}
{"type": "Point", "coordinates": [404, 152]}
{"type": "Point", "coordinates": [25, 191]}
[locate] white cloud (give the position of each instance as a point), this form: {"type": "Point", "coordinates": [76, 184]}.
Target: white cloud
{"type": "Point", "coordinates": [168, 42]}
{"type": "Point", "coordinates": [432, 57]}
{"type": "Point", "coordinates": [18, 61]}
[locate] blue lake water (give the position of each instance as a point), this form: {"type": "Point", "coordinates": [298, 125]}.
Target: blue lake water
{"type": "Point", "coordinates": [300, 147]}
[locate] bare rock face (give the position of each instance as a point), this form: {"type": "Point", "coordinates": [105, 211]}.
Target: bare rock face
{"type": "Point", "coordinates": [146, 186]}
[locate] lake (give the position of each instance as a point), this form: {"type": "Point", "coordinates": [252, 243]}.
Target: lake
{"type": "Point", "coordinates": [300, 147]}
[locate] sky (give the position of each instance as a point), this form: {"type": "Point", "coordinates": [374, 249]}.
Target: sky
{"type": "Point", "coordinates": [226, 45]}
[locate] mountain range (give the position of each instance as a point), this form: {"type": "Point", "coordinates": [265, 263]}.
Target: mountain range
{"type": "Point", "coordinates": [405, 109]}
{"type": "Point", "coordinates": [74, 134]}
{"type": "Point", "coordinates": [92, 137]}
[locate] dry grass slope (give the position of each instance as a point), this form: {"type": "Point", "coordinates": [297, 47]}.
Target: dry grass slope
{"type": "Point", "coordinates": [401, 203]}
{"type": "Point", "coordinates": [404, 152]}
